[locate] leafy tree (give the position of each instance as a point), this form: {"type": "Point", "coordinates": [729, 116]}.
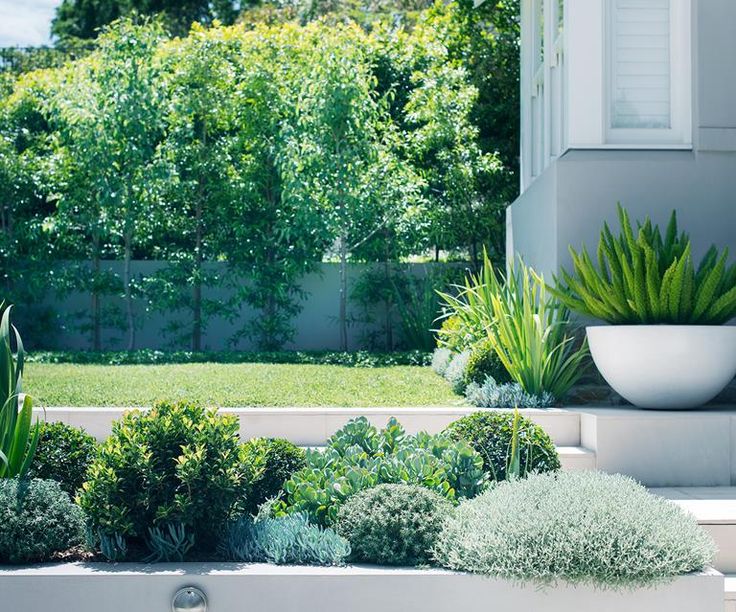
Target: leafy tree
{"type": "Point", "coordinates": [274, 235]}
{"type": "Point", "coordinates": [84, 19]}
{"type": "Point", "coordinates": [341, 155]}
{"type": "Point", "coordinates": [26, 254]}
{"type": "Point", "coordinates": [110, 110]}
{"type": "Point", "coordinates": [198, 79]}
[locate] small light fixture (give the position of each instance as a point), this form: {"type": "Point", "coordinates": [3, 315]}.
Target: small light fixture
{"type": "Point", "coordinates": [189, 599]}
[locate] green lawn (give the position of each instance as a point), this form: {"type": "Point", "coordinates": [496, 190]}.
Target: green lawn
{"type": "Point", "coordinates": [251, 384]}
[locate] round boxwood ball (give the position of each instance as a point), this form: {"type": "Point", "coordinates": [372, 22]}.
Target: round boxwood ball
{"type": "Point", "coordinates": [37, 519]}
{"type": "Point", "coordinates": [63, 454]}
{"type": "Point", "coordinates": [393, 524]}
{"type": "Point", "coordinates": [490, 433]}
{"type": "Point", "coordinates": [484, 362]}
{"type": "Point", "coordinates": [276, 459]}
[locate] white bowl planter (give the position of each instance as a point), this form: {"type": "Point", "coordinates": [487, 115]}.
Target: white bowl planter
{"type": "Point", "coordinates": [665, 366]}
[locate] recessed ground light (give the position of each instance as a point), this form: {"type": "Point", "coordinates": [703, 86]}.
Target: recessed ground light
{"type": "Point", "coordinates": [189, 599]}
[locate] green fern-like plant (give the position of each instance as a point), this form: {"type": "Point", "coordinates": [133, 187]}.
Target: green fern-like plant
{"type": "Point", "coordinates": [644, 277]}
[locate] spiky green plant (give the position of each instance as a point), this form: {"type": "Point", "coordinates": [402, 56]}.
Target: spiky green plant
{"type": "Point", "coordinates": [18, 435]}
{"type": "Point", "coordinates": [647, 278]}
{"type": "Point", "coordinates": [529, 328]}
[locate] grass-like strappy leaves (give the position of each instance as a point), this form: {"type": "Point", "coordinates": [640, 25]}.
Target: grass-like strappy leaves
{"type": "Point", "coordinates": [18, 436]}
{"type": "Point", "coordinates": [528, 328]}
{"type": "Point", "coordinates": [647, 278]}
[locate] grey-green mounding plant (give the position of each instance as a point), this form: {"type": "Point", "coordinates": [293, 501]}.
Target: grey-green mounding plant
{"type": "Point", "coordinates": [283, 540]}
{"type": "Point", "coordinates": [529, 328]}
{"type": "Point", "coordinates": [644, 277]}
{"type": "Point", "coordinates": [575, 527]}
{"type": "Point", "coordinates": [393, 524]}
{"type": "Point", "coordinates": [18, 435]}
{"type": "Point", "coordinates": [507, 395]}
{"type": "Point", "coordinates": [37, 520]}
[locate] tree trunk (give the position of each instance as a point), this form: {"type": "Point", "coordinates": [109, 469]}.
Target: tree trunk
{"type": "Point", "coordinates": [343, 317]}
{"type": "Point", "coordinates": [96, 310]}
{"type": "Point", "coordinates": [197, 289]}
{"type": "Point", "coordinates": [128, 297]}
{"type": "Point", "coordinates": [389, 297]}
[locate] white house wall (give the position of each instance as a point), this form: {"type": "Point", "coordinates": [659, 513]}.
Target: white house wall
{"type": "Point", "coordinates": [569, 201]}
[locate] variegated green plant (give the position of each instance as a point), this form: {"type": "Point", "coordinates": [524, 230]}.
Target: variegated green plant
{"type": "Point", "coordinates": [643, 277]}
{"type": "Point", "coordinates": [529, 329]}
{"type": "Point", "coordinates": [18, 435]}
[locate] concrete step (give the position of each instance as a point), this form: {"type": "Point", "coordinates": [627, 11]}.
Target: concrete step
{"type": "Point", "coordinates": [576, 458]}
{"type": "Point", "coordinates": [715, 509]}
{"type": "Point", "coordinates": [730, 593]}
{"type": "Point", "coordinates": [313, 426]}
{"type": "Point", "coordinates": [572, 458]}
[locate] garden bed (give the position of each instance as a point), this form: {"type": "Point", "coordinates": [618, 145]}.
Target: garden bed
{"type": "Point", "coordinates": [81, 587]}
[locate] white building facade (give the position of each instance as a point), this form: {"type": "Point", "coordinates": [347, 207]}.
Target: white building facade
{"type": "Point", "coordinates": [630, 101]}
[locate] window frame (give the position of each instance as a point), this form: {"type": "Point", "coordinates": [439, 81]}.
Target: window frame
{"type": "Point", "coordinates": [679, 133]}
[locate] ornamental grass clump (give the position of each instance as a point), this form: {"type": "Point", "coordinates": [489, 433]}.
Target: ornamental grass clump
{"type": "Point", "coordinates": [529, 329]}
{"type": "Point", "coordinates": [359, 457]}
{"type": "Point", "coordinates": [575, 527]}
{"type": "Point", "coordinates": [18, 436]}
{"type": "Point", "coordinates": [393, 524]}
{"type": "Point", "coordinates": [643, 277]}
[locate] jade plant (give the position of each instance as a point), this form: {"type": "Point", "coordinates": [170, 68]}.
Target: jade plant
{"type": "Point", "coordinates": [645, 277]}
{"type": "Point", "coordinates": [359, 457]}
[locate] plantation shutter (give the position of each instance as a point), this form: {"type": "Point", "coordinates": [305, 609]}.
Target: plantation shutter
{"type": "Point", "coordinates": [641, 65]}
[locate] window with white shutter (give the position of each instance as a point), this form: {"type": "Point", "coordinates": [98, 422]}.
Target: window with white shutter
{"type": "Point", "coordinates": [648, 81]}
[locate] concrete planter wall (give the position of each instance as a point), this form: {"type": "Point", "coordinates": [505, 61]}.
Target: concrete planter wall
{"type": "Point", "coordinates": [266, 588]}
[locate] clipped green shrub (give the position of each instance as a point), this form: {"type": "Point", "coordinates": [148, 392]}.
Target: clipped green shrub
{"type": "Point", "coordinates": [37, 520]}
{"type": "Point", "coordinates": [287, 539]}
{"type": "Point", "coordinates": [647, 278]}
{"type": "Point", "coordinates": [393, 524]}
{"type": "Point", "coordinates": [63, 454]}
{"type": "Point", "coordinates": [484, 362]}
{"type": "Point", "coordinates": [359, 457]}
{"type": "Point", "coordinates": [490, 434]}
{"type": "Point", "coordinates": [272, 461]}
{"type": "Point", "coordinates": [508, 395]}
{"type": "Point", "coordinates": [177, 467]}
{"type": "Point", "coordinates": [577, 527]}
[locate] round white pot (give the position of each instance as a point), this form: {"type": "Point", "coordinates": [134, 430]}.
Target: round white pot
{"type": "Point", "coordinates": [665, 366]}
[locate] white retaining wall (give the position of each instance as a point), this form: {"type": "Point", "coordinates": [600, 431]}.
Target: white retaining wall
{"type": "Point", "coordinates": [266, 588]}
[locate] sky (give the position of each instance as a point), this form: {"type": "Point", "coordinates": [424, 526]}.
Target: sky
{"type": "Point", "coordinates": [26, 23]}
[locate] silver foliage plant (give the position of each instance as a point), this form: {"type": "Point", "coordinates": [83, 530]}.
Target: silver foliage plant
{"type": "Point", "coordinates": [508, 395]}
{"type": "Point", "coordinates": [575, 527]}
{"type": "Point", "coordinates": [440, 360]}
{"type": "Point", "coordinates": [284, 540]}
{"type": "Point", "coordinates": [455, 371]}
